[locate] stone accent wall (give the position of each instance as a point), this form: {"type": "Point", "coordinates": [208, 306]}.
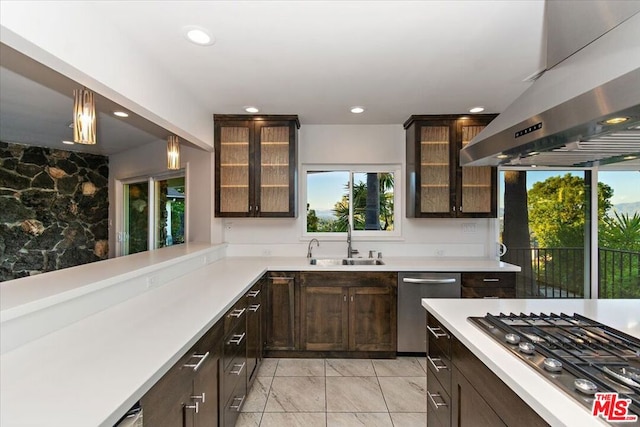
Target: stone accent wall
{"type": "Point", "coordinates": [54, 209]}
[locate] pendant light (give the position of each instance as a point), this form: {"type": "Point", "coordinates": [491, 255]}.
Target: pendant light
{"type": "Point", "coordinates": [84, 117]}
{"type": "Point", "coordinates": [173, 153]}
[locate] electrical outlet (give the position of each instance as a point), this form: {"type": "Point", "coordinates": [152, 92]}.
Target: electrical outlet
{"type": "Point", "coordinates": [468, 227]}
{"type": "Point", "coordinates": [152, 281]}
{"type": "Point", "coordinates": [227, 226]}
{"type": "Point", "coordinates": [266, 252]}
{"type": "Point", "coordinates": [439, 252]}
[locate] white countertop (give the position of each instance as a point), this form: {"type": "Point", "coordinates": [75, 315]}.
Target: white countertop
{"type": "Point", "coordinates": [91, 371]}
{"type": "Point", "coordinates": [556, 407]}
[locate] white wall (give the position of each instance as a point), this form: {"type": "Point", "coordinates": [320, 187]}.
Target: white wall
{"type": "Point", "coordinates": [354, 144]}
{"type": "Point", "coordinates": [151, 159]}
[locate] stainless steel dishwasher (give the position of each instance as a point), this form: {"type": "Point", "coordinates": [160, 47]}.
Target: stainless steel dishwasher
{"type": "Point", "coordinates": [412, 317]}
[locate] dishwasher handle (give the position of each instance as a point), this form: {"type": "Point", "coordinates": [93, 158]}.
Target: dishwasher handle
{"type": "Point", "coordinates": [429, 281]}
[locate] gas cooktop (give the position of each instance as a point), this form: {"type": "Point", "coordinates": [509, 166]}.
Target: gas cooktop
{"type": "Point", "coordinates": [586, 359]}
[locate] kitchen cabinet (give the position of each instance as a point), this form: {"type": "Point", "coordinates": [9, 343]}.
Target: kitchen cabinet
{"type": "Point", "coordinates": [488, 285]}
{"type": "Point", "coordinates": [233, 384]}
{"type": "Point", "coordinates": [462, 391]}
{"type": "Point", "coordinates": [437, 185]}
{"type": "Point", "coordinates": [280, 315]}
{"type": "Point", "coordinates": [255, 165]}
{"type": "Point", "coordinates": [348, 311]}
{"type": "Point", "coordinates": [187, 395]}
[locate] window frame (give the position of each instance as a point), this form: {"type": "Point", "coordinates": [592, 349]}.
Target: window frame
{"type": "Point", "coordinates": [363, 235]}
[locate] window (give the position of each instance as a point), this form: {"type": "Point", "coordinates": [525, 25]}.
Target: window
{"type": "Point", "coordinates": [363, 196]}
{"type": "Point", "coordinates": [154, 213]}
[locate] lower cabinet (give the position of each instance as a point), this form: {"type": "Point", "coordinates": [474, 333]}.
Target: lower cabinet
{"type": "Point", "coordinates": [348, 311]}
{"type": "Point", "coordinates": [488, 285]}
{"type": "Point", "coordinates": [280, 313]}
{"type": "Point", "coordinates": [462, 391]}
{"type": "Point", "coordinates": [233, 381]}
{"type": "Point", "coordinates": [255, 339]}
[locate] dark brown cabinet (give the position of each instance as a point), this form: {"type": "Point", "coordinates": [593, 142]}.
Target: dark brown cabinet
{"type": "Point", "coordinates": [437, 185]}
{"type": "Point", "coordinates": [462, 391]}
{"type": "Point", "coordinates": [488, 285]}
{"type": "Point", "coordinates": [280, 314]}
{"type": "Point", "coordinates": [233, 381]}
{"type": "Point", "coordinates": [348, 311]}
{"type": "Point", "coordinates": [254, 330]}
{"type": "Point", "coordinates": [255, 165]}
{"type": "Point", "coordinates": [187, 395]}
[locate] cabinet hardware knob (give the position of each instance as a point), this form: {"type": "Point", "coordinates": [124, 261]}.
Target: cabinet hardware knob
{"type": "Point", "coordinates": [436, 404]}
{"type": "Point", "coordinates": [239, 405]}
{"type": "Point", "coordinates": [237, 339]}
{"type": "Point", "coordinates": [237, 312]}
{"type": "Point", "coordinates": [195, 407]}
{"type": "Point", "coordinates": [344, 298]}
{"type": "Point", "coordinates": [237, 368]}
{"type": "Point", "coordinates": [195, 366]}
{"type": "Point", "coordinates": [437, 332]}
{"type": "Point", "coordinates": [433, 363]}
{"type": "Point", "coordinates": [199, 396]}
{"type": "Point", "coordinates": [351, 298]}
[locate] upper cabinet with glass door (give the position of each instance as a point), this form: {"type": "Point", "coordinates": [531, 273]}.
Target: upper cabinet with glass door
{"type": "Point", "coordinates": [256, 162]}
{"type": "Point", "coordinates": [437, 186]}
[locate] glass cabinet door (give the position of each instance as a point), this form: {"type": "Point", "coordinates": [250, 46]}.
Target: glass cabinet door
{"type": "Point", "coordinates": [274, 180]}
{"type": "Point", "coordinates": [435, 176]}
{"type": "Point", "coordinates": [477, 182]}
{"type": "Point", "coordinates": [234, 169]}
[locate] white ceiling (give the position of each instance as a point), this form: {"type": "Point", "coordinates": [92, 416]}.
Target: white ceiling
{"type": "Point", "coordinates": [316, 58]}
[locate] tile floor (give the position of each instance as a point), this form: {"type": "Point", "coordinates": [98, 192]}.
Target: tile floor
{"type": "Point", "coordinates": [338, 393]}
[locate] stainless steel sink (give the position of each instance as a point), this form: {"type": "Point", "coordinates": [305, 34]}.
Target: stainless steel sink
{"type": "Point", "coordinates": [345, 261]}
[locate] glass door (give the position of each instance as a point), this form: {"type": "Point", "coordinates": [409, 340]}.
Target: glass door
{"type": "Point", "coordinates": [234, 169]}
{"type": "Point", "coordinates": [135, 236]}
{"type": "Point", "coordinates": [435, 175]}
{"type": "Point", "coordinates": [169, 212]}
{"type": "Point", "coordinates": [476, 180]}
{"type": "Point", "coordinates": [274, 181]}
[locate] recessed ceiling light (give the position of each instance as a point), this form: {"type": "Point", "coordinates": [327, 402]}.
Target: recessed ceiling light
{"type": "Point", "coordinates": [199, 35]}
{"type": "Point", "coordinates": [251, 109]}
{"type": "Point", "coordinates": [616, 120]}
{"type": "Point", "coordinates": [120, 114]}
{"type": "Point", "coordinates": [476, 110]}
{"type": "Point", "coordinates": [67, 142]}
{"type": "Point", "coordinates": [357, 110]}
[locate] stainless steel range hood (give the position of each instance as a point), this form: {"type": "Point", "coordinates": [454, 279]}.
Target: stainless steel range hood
{"type": "Point", "coordinates": [561, 120]}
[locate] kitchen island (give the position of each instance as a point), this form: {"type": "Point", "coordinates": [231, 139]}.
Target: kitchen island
{"type": "Point", "coordinates": [553, 405]}
{"type": "Point", "coordinates": [87, 343]}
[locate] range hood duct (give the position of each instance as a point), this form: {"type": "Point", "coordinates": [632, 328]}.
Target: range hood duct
{"type": "Point", "coordinates": [561, 119]}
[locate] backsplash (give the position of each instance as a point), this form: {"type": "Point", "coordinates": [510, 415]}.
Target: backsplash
{"type": "Point", "coordinates": [54, 209]}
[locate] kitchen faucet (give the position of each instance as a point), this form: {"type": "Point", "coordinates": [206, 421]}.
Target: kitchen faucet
{"type": "Point", "coordinates": [350, 251]}
{"type": "Point", "coordinates": [309, 248]}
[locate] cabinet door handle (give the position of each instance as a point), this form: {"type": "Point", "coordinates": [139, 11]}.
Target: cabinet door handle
{"type": "Point", "coordinates": [437, 332]}
{"type": "Point", "coordinates": [437, 367]}
{"type": "Point", "coordinates": [344, 298]}
{"type": "Point", "coordinates": [199, 396]}
{"type": "Point", "coordinates": [237, 312]}
{"type": "Point", "coordinates": [236, 339]}
{"type": "Point", "coordinates": [254, 307]}
{"type": "Point", "coordinates": [280, 278]}
{"type": "Point", "coordinates": [195, 366]}
{"type": "Point", "coordinates": [433, 281]}
{"type": "Point", "coordinates": [239, 405]}
{"type": "Point", "coordinates": [253, 294]}
{"type": "Point", "coordinates": [237, 368]}
{"type": "Point", "coordinates": [195, 407]}
{"type": "Point", "coordinates": [351, 298]}
{"type": "Point", "coordinates": [490, 280]}
{"type": "Point", "coordinates": [436, 404]}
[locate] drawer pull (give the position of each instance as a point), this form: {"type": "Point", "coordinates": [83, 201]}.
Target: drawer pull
{"type": "Point", "coordinates": [254, 307]}
{"type": "Point", "coordinates": [437, 367]}
{"type": "Point", "coordinates": [437, 332]}
{"type": "Point", "coordinates": [491, 297]}
{"type": "Point", "coordinates": [436, 404]}
{"type": "Point", "coordinates": [239, 405]}
{"type": "Point", "coordinates": [195, 366]}
{"type": "Point", "coordinates": [253, 294]}
{"type": "Point", "coordinates": [273, 279]}
{"type": "Point", "coordinates": [433, 281]}
{"type": "Point", "coordinates": [237, 312]}
{"type": "Point", "coordinates": [197, 396]}
{"type": "Point", "coordinates": [237, 368]}
{"type": "Point", "coordinates": [490, 280]}
{"type": "Point", "coordinates": [195, 407]}
{"type": "Point", "coordinates": [236, 339]}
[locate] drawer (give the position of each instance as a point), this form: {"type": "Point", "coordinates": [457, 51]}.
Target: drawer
{"type": "Point", "coordinates": [440, 366]}
{"type": "Point", "coordinates": [233, 374]}
{"type": "Point", "coordinates": [438, 335]}
{"type": "Point", "coordinates": [233, 405]}
{"type": "Point", "coordinates": [468, 292]}
{"type": "Point", "coordinates": [235, 315]}
{"type": "Point", "coordinates": [489, 279]}
{"type": "Point", "coordinates": [438, 402]}
{"type": "Point", "coordinates": [235, 343]}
